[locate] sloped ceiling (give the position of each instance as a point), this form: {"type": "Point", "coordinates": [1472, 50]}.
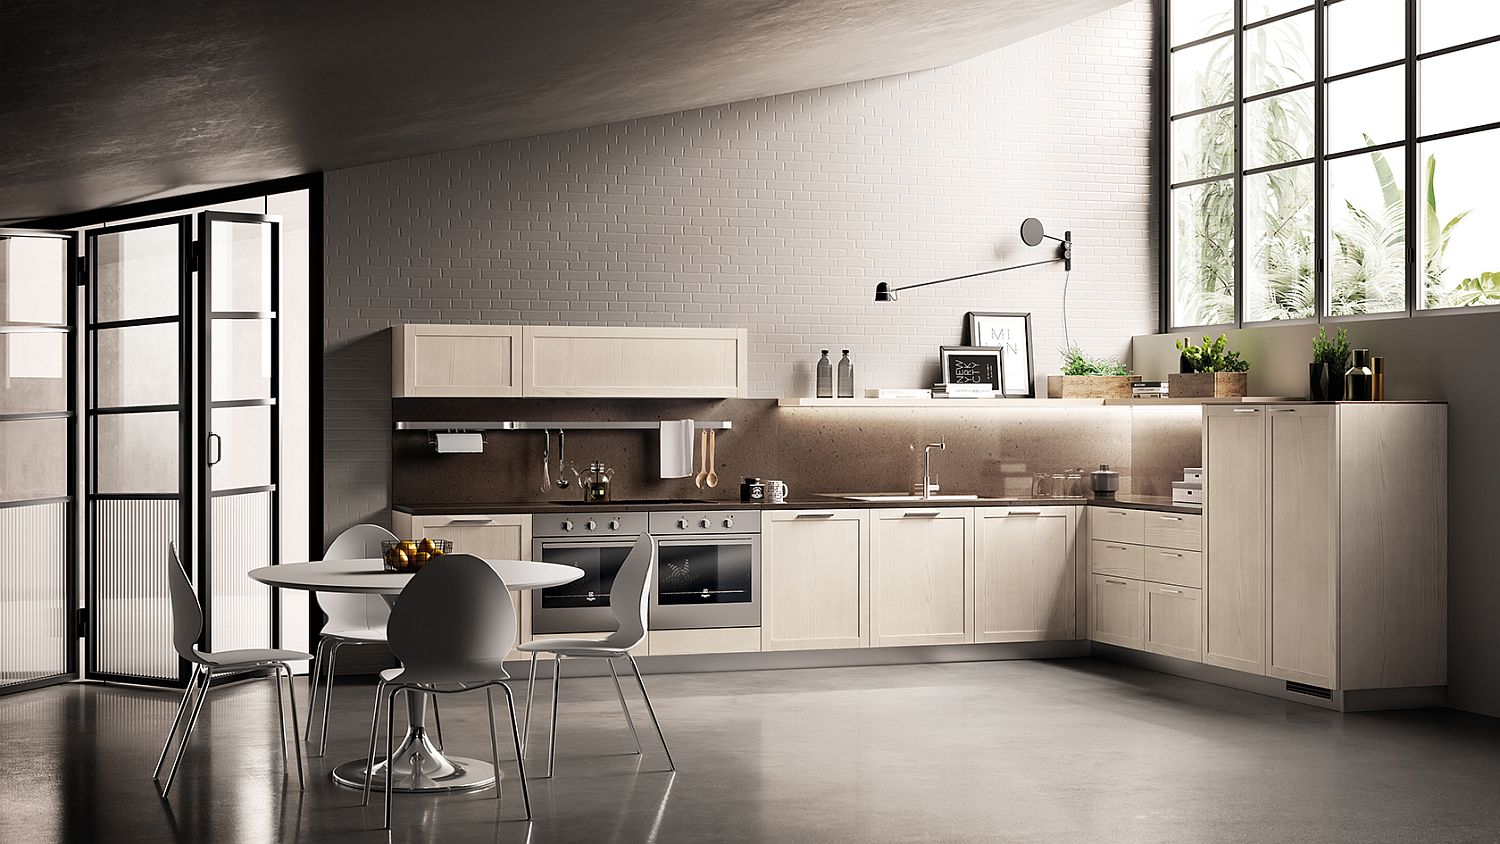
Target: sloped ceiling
{"type": "Point", "coordinates": [106, 103]}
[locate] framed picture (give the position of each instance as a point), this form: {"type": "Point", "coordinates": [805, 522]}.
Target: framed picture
{"type": "Point", "coordinates": [1012, 334]}
{"type": "Point", "coordinates": [973, 365]}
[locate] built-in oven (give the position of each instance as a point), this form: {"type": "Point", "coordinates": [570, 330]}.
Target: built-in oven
{"type": "Point", "coordinates": [596, 542]}
{"type": "Point", "coordinates": [707, 571]}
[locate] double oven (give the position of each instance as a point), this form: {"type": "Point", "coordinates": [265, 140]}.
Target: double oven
{"type": "Point", "coordinates": [707, 572]}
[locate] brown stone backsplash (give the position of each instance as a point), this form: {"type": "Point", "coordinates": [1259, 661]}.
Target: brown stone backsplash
{"type": "Point", "coordinates": [991, 451]}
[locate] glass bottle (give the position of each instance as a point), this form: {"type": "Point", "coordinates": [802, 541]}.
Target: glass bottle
{"type": "Point", "coordinates": [825, 376]}
{"type": "Point", "coordinates": [846, 377]}
{"type": "Point", "coordinates": [1359, 381]}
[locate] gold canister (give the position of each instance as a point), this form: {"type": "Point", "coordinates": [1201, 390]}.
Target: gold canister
{"type": "Point", "coordinates": [1377, 378]}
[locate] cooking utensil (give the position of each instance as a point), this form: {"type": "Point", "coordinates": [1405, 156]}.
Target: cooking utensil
{"type": "Point", "coordinates": [702, 459]}
{"type": "Point", "coordinates": [562, 456]}
{"type": "Point", "coordinates": [546, 460]}
{"type": "Point", "coordinates": [713, 472]}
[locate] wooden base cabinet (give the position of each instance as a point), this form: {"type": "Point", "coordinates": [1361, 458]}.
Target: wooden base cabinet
{"type": "Point", "coordinates": [1172, 616]}
{"type": "Point", "coordinates": [1027, 586]}
{"type": "Point", "coordinates": [494, 537]}
{"type": "Point", "coordinates": [1116, 611]}
{"type": "Point", "coordinates": [815, 579]}
{"type": "Point", "coordinates": [1326, 543]}
{"type": "Point", "coordinates": [921, 573]}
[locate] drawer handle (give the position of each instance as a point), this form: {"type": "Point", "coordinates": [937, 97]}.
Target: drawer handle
{"type": "Point", "coordinates": [921, 514]}
{"type": "Point", "coordinates": [1171, 518]}
{"type": "Point", "coordinates": [479, 521]}
{"type": "Point", "coordinates": [1170, 591]}
{"type": "Point", "coordinates": [1116, 582]}
{"type": "Point", "coordinates": [1170, 554]}
{"type": "Point", "coordinates": [1025, 512]}
{"type": "Point", "coordinates": [815, 514]}
{"type": "Point", "coordinates": [1283, 410]}
{"type": "Point", "coordinates": [1117, 512]}
{"type": "Point", "coordinates": [1246, 410]}
{"type": "Point", "coordinates": [1117, 547]}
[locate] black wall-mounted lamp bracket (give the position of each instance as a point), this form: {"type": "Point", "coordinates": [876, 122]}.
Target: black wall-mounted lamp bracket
{"type": "Point", "coordinates": [886, 293]}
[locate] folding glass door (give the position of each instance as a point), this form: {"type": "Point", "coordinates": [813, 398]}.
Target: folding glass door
{"type": "Point", "coordinates": [37, 459]}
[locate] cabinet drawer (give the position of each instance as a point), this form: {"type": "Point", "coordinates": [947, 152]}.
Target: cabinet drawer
{"type": "Point", "coordinates": [1116, 524]}
{"type": "Point", "coordinates": [1173, 621]}
{"type": "Point", "coordinates": [1117, 558]}
{"type": "Point", "coordinates": [1116, 611]}
{"type": "Point", "coordinates": [1178, 568]}
{"type": "Point", "coordinates": [1173, 530]}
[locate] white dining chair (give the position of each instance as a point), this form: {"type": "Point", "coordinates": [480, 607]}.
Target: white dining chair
{"type": "Point", "coordinates": [352, 620]}
{"type": "Point", "coordinates": [628, 596]}
{"type": "Point", "coordinates": [187, 627]}
{"type": "Point", "coordinates": [451, 628]}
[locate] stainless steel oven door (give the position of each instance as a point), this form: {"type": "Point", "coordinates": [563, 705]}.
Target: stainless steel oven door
{"type": "Point", "coordinates": [583, 605]}
{"type": "Point", "coordinates": [706, 581]}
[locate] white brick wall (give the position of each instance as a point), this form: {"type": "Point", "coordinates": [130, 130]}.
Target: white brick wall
{"type": "Point", "coordinates": [777, 215]}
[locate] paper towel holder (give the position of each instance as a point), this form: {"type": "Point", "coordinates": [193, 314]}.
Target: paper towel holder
{"type": "Point", "coordinates": [435, 442]}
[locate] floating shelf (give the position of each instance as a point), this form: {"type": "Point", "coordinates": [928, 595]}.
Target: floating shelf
{"type": "Point", "coordinates": [648, 425]}
{"type": "Point", "coordinates": [1033, 404]}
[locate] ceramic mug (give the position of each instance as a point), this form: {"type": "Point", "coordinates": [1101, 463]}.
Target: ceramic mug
{"type": "Point", "coordinates": [776, 492]}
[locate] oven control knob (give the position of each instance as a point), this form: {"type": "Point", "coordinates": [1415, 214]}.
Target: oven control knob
{"type": "Point", "coordinates": [729, 522]}
{"type": "Point", "coordinates": [682, 524]}
{"type": "Point", "coordinates": [705, 524]}
{"type": "Point", "coordinates": [590, 524]}
{"type": "Point", "coordinates": [614, 524]}
{"type": "Point", "coordinates": [567, 524]}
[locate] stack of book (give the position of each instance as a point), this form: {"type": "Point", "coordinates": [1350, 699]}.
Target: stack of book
{"type": "Point", "coordinates": [1189, 490]}
{"type": "Point", "coordinates": [1148, 390]}
{"type": "Point", "coordinates": [898, 393]}
{"type": "Point", "coordinates": [964, 391]}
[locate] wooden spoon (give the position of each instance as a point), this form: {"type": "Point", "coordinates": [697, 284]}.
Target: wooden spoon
{"type": "Point", "coordinates": [702, 460]}
{"type": "Point", "coordinates": [713, 472]}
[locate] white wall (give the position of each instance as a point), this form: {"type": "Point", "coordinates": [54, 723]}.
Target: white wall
{"type": "Point", "coordinates": [777, 215]}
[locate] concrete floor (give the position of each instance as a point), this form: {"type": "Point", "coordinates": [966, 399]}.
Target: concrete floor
{"type": "Point", "coordinates": [1066, 750]}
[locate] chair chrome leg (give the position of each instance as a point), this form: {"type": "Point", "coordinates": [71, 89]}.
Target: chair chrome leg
{"type": "Point", "coordinates": [635, 737]}
{"type": "Point", "coordinates": [182, 708]}
{"type": "Point", "coordinates": [390, 747]}
{"type": "Point", "coordinates": [281, 722]}
{"type": "Point", "coordinates": [313, 677]}
{"type": "Point", "coordinates": [291, 701]}
{"type": "Point", "coordinates": [489, 702]}
{"type": "Point", "coordinates": [437, 722]}
{"type": "Point", "coordinates": [530, 698]}
{"type": "Point", "coordinates": [332, 660]}
{"type": "Point", "coordinates": [652, 710]}
{"type": "Point", "coordinates": [370, 760]}
{"type": "Point", "coordinates": [208, 675]}
{"type": "Point", "coordinates": [552, 733]}
{"type": "Point", "coordinates": [520, 762]}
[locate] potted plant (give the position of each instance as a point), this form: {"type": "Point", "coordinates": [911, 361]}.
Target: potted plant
{"type": "Point", "coordinates": [1087, 377]}
{"type": "Point", "coordinates": [1325, 378]}
{"type": "Point", "coordinates": [1209, 370]}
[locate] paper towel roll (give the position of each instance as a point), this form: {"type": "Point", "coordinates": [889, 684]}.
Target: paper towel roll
{"type": "Point", "coordinates": [460, 443]}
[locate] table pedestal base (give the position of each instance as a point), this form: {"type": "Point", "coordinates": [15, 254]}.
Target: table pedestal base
{"type": "Point", "coordinates": [419, 766]}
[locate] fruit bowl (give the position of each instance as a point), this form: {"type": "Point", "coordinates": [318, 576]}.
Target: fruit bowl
{"type": "Point", "coordinates": [410, 555]}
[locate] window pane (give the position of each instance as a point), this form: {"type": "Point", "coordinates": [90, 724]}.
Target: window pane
{"type": "Point", "coordinates": [34, 280]}
{"type": "Point", "coordinates": [1279, 244]}
{"type": "Point", "coordinates": [35, 369]}
{"type": "Point", "coordinates": [1279, 55]}
{"type": "Point", "coordinates": [1367, 109]}
{"type": "Point", "coordinates": [1458, 89]}
{"type": "Point", "coordinates": [1279, 129]}
{"type": "Point", "coordinates": [138, 273]}
{"type": "Point", "coordinates": [1449, 22]}
{"type": "Point", "coordinates": [1203, 75]}
{"type": "Point", "coordinates": [137, 365]}
{"type": "Point", "coordinates": [1203, 145]}
{"type": "Point", "coordinates": [1367, 255]}
{"type": "Point", "coordinates": [1256, 10]}
{"type": "Point", "coordinates": [1362, 33]}
{"type": "Point", "coordinates": [1194, 19]}
{"type": "Point", "coordinates": [1460, 214]}
{"type": "Point", "coordinates": [1203, 254]}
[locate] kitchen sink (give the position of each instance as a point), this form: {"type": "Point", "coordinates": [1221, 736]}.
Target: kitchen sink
{"type": "Point", "coordinates": [877, 497]}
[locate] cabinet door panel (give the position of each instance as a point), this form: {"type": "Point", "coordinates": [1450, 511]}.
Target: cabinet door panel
{"type": "Point", "coordinates": [1117, 558]}
{"type": "Point", "coordinates": [921, 568]}
{"type": "Point", "coordinates": [457, 360]}
{"type": "Point", "coordinates": [1304, 543]}
{"type": "Point", "coordinates": [1173, 621]}
{"type": "Point", "coordinates": [1116, 611]}
{"type": "Point", "coordinates": [1173, 530]}
{"type": "Point", "coordinates": [1117, 524]}
{"type": "Point", "coordinates": [816, 580]}
{"type": "Point", "coordinates": [1235, 510]}
{"type": "Point", "coordinates": [1025, 575]}
{"type": "Point", "coordinates": [635, 362]}
{"type": "Point", "coordinates": [500, 538]}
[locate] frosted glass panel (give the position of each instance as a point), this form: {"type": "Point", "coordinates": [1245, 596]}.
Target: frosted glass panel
{"type": "Point", "coordinates": [33, 459]}
{"type": "Point", "coordinates": [34, 641]}
{"type": "Point", "coordinates": [137, 452]}
{"type": "Point", "coordinates": [138, 365]}
{"type": "Point", "coordinates": [241, 359]}
{"type": "Point", "coordinates": [33, 372]}
{"type": "Point", "coordinates": [137, 273]}
{"type": "Point", "coordinates": [241, 540]}
{"type": "Point", "coordinates": [33, 280]}
{"type": "Point", "coordinates": [132, 615]}
{"type": "Point", "coordinates": [244, 447]}
{"type": "Point", "coordinates": [241, 269]}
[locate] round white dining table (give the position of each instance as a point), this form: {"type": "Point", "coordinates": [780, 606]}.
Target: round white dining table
{"type": "Point", "coordinates": [419, 765]}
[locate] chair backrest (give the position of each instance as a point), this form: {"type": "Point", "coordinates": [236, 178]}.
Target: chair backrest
{"type": "Point", "coordinates": [187, 614]}
{"type": "Point", "coordinates": [347, 611]}
{"type": "Point", "coordinates": [631, 592]}
{"type": "Point", "coordinates": [455, 612]}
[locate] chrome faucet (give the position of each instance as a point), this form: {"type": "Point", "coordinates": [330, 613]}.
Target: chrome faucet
{"type": "Point", "coordinates": [927, 467]}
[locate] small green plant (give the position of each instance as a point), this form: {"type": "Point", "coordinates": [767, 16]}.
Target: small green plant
{"type": "Point", "coordinates": [1334, 352]}
{"type": "Point", "coordinates": [1078, 362]}
{"type": "Point", "coordinates": [1484, 290]}
{"type": "Point", "coordinates": [1212, 356]}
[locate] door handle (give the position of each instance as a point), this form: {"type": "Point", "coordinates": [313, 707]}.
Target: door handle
{"type": "Point", "coordinates": [482, 520]}
{"type": "Point", "coordinates": [216, 448]}
{"type": "Point", "coordinates": [921, 514]}
{"type": "Point", "coordinates": [1116, 582]}
{"type": "Point", "coordinates": [1025, 512]}
{"type": "Point", "coordinates": [1283, 410]}
{"type": "Point", "coordinates": [815, 514]}
{"type": "Point", "coordinates": [1117, 547]}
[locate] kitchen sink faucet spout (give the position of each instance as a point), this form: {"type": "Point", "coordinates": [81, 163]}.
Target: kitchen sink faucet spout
{"type": "Point", "coordinates": [927, 467]}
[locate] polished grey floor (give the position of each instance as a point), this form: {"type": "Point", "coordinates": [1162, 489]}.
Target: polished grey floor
{"type": "Point", "coordinates": [1067, 750]}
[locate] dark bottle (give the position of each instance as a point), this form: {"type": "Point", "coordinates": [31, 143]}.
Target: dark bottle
{"type": "Point", "coordinates": [825, 376]}
{"type": "Point", "coordinates": [1359, 381]}
{"type": "Point", "coordinates": [846, 377]}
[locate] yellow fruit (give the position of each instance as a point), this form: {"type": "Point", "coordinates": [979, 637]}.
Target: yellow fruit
{"type": "Point", "coordinates": [425, 545]}
{"type": "Point", "coordinates": [436, 551]}
{"type": "Point", "coordinates": [408, 545]}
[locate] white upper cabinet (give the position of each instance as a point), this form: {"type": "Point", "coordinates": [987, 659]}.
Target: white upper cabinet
{"type": "Point", "coordinates": [464, 361]}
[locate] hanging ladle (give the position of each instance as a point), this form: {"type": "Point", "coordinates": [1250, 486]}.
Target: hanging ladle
{"type": "Point", "coordinates": [562, 456]}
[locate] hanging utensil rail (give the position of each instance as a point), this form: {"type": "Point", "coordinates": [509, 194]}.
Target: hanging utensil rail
{"type": "Point", "coordinates": [646, 425]}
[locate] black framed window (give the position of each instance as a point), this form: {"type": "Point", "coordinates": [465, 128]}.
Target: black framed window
{"type": "Point", "coordinates": [1329, 159]}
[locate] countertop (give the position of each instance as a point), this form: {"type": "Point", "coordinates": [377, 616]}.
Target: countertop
{"type": "Point", "coordinates": [1135, 502]}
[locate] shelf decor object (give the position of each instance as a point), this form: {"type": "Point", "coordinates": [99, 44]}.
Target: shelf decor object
{"type": "Point", "coordinates": [1087, 377]}
{"type": "Point", "coordinates": [1210, 370]}
{"type": "Point", "coordinates": [1325, 377]}
{"type": "Point", "coordinates": [973, 365]}
{"type": "Point", "coordinates": [1032, 234]}
{"type": "Point", "coordinates": [1012, 334]}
